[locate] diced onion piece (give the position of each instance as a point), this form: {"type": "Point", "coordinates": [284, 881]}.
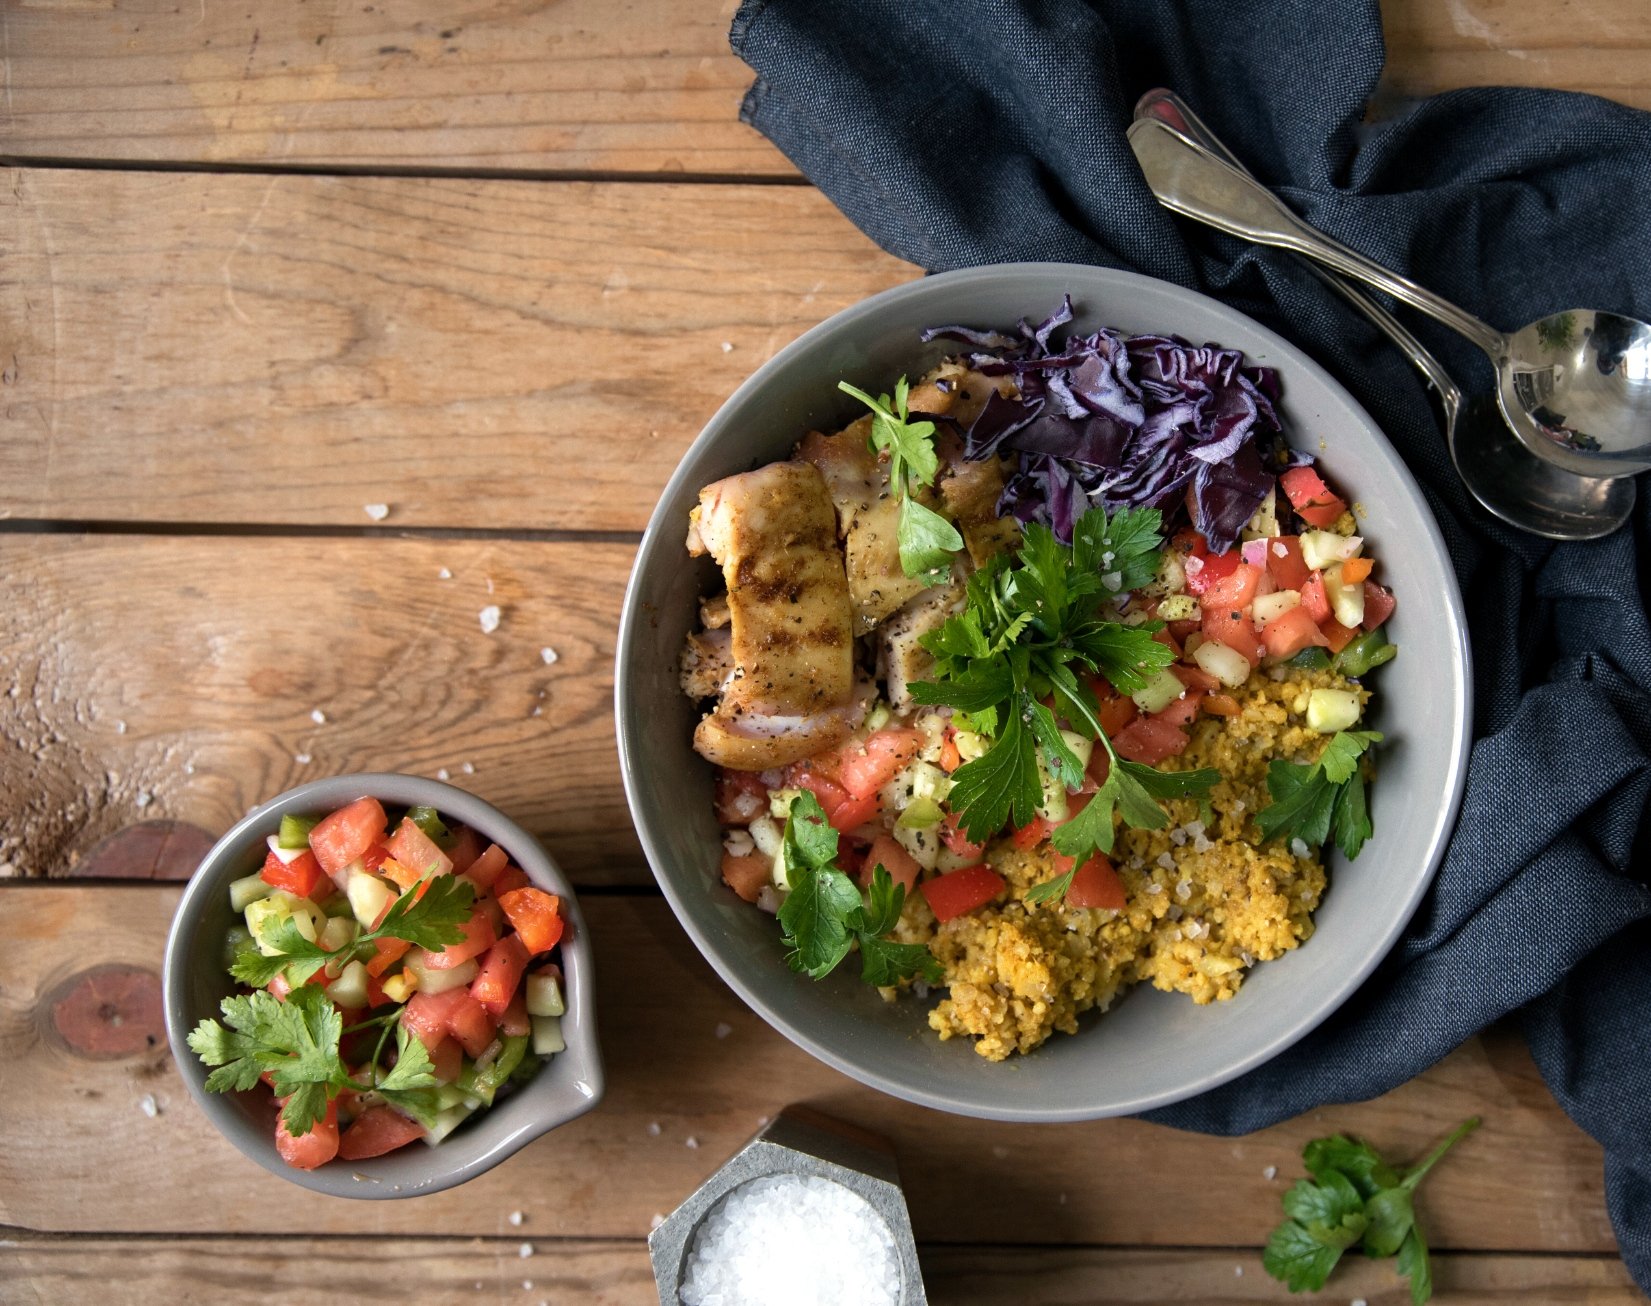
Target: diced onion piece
{"type": "Point", "coordinates": [432, 980]}
{"type": "Point", "coordinates": [1273, 605]}
{"type": "Point", "coordinates": [287, 856]}
{"type": "Point", "coordinates": [1330, 710]}
{"type": "Point", "coordinates": [1320, 549]}
{"type": "Point", "coordinates": [1346, 601]}
{"type": "Point", "coordinates": [244, 892]}
{"type": "Point", "coordinates": [547, 1036]}
{"type": "Point", "coordinates": [349, 990]}
{"type": "Point", "coordinates": [1227, 665]}
{"type": "Point", "coordinates": [368, 896]}
{"type": "Point", "coordinates": [544, 995]}
{"type": "Point", "coordinates": [767, 835]}
{"type": "Point", "coordinates": [338, 931]}
{"type": "Point", "coordinates": [1254, 552]}
{"type": "Point", "coordinates": [1162, 690]}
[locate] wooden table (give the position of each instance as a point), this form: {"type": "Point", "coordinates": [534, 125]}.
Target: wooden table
{"type": "Point", "coordinates": [264, 265]}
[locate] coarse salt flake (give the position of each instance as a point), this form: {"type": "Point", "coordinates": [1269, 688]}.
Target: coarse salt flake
{"type": "Point", "coordinates": [1298, 848]}
{"type": "Point", "coordinates": [548, 656]}
{"type": "Point", "coordinates": [1358, 1301]}
{"type": "Point", "coordinates": [1166, 862]}
{"type": "Point", "coordinates": [443, 774]}
{"type": "Point", "coordinates": [144, 798]}
{"type": "Point", "coordinates": [120, 726]}
{"type": "Point", "coordinates": [469, 768]}
{"type": "Point", "coordinates": [654, 1221]}
{"type": "Point", "coordinates": [525, 1250]}
{"type": "Point", "coordinates": [1183, 890]}
{"type": "Point", "coordinates": [691, 1143]}
{"type": "Point", "coordinates": [303, 759]}
{"type": "Point", "coordinates": [727, 346]}
{"type": "Point", "coordinates": [1238, 1271]}
{"type": "Point", "coordinates": [318, 716]}
{"type": "Point", "coordinates": [149, 1106]}
{"type": "Point", "coordinates": [377, 511]}
{"type": "Point", "coordinates": [515, 1217]}
{"type": "Point", "coordinates": [444, 574]}
{"type": "Point", "coordinates": [1271, 1172]}
{"type": "Point", "coordinates": [724, 1029]}
{"type": "Point", "coordinates": [653, 1129]}
{"type": "Point", "coordinates": [489, 617]}
{"type": "Point", "coordinates": [1279, 551]}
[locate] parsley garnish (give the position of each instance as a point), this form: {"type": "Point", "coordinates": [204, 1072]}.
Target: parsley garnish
{"type": "Point", "coordinates": [1027, 631]}
{"type": "Point", "coordinates": [1353, 1197]}
{"type": "Point", "coordinates": [430, 920]}
{"type": "Point", "coordinates": [296, 1041]}
{"type": "Point", "coordinates": [927, 540]}
{"type": "Point", "coordinates": [824, 915]}
{"type": "Point", "coordinates": [1312, 803]}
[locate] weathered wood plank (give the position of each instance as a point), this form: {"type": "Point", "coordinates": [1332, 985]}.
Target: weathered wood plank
{"type": "Point", "coordinates": [644, 86]}
{"type": "Point", "coordinates": [1528, 1181]}
{"type": "Point", "coordinates": [460, 1272]}
{"type": "Point", "coordinates": [469, 353]}
{"type": "Point", "coordinates": [173, 678]}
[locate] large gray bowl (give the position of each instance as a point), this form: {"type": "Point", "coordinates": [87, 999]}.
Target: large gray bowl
{"type": "Point", "coordinates": [194, 982]}
{"type": "Point", "coordinates": [1153, 1048]}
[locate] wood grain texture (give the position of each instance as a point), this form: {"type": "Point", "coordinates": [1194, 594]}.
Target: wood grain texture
{"type": "Point", "coordinates": [461, 1272]}
{"type": "Point", "coordinates": [1528, 1181]}
{"type": "Point", "coordinates": [174, 677]}
{"type": "Point", "coordinates": [637, 86]}
{"type": "Point", "coordinates": [471, 354]}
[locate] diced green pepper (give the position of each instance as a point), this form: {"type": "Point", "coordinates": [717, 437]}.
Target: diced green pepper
{"type": "Point", "coordinates": [295, 831]}
{"type": "Point", "coordinates": [483, 1084]}
{"type": "Point", "coordinates": [1365, 653]}
{"type": "Point", "coordinates": [427, 819]}
{"type": "Point", "coordinates": [1313, 659]}
{"type": "Point", "coordinates": [236, 941]}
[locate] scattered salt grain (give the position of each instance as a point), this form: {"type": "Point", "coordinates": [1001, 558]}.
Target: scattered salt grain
{"type": "Point", "coordinates": [120, 727]}
{"type": "Point", "coordinates": [1178, 836]}
{"type": "Point", "coordinates": [443, 774]}
{"type": "Point", "coordinates": [549, 656]}
{"type": "Point", "coordinates": [318, 716]}
{"type": "Point", "coordinates": [525, 1250]}
{"type": "Point", "coordinates": [653, 1129]}
{"type": "Point", "coordinates": [1238, 1271]}
{"type": "Point", "coordinates": [727, 346]}
{"type": "Point", "coordinates": [803, 1241]}
{"type": "Point", "coordinates": [1271, 1172]}
{"type": "Point", "coordinates": [516, 1217]}
{"type": "Point", "coordinates": [469, 768]}
{"type": "Point", "coordinates": [303, 759]}
{"type": "Point", "coordinates": [444, 574]}
{"type": "Point", "coordinates": [724, 1029]}
{"type": "Point", "coordinates": [489, 581]}
{"type": "Point", "coordinates": [1298, 848]}
{"type": "Point", "coordinates": [1000, 1152]}
{"type": "Point", "coordinates": [1166, 862]}
{"type": "Point", "coordinates": [919, 990]}
{"type": "Point", "coordinates": [738, 843]}
{"type": "Point", "coordinates": [489, 617]}
{"type": "Point", "coordinates": [1063, 1199]}
{"type": "Point", "coordinates": [1154, 887]}
{"type": "Point", "coordinates": [149, 1106]}
{"type": "Point", "coordinates": [654, 1221]}
{"type": "Point", "coordinates": [377, 511]}
{"type": "Point", "coordinates": [1173, 912]}
{"type": "Point", "coordinates": [691, 1143]}
{"type": "Point", "coordinates": [189, 768]}
{"type": "Point", "coordinates": [1279, 551]}
{"type": "Point", "coordinates": [1183, 890]}
{"type": "Point", "coordinates": [144, 798]}
{"type": "Point", "coordinates": [527, 1285]}
{"type": "Point", "coordinates": [1358, 1301]}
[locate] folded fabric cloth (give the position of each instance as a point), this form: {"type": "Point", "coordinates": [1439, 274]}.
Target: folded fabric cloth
{"type": "Point", "coordinates": [961, 132]}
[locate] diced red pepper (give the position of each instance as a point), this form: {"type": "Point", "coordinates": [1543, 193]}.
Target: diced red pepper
{"type": "Point", "coordinates": [487, 866]}
{"type": "Point", "coordinates": [962, 891]}
{"type": "Point", "coordinates": [1235, 590]}
{"type": "Point", "coordinates": [512, 877]}
{"type": "Point", "coordinates": [536, 916]}
{"type": "Point", "coordinates": [1313, 598]}
{"type": "Point", "coordinates": [1032, 833]}
{"type": "Point", "coordinates": [301, 876]}
{"type": "Point", "coordinates": [951, 834]}
{"type": "Point", "coordinates": [500, 974]}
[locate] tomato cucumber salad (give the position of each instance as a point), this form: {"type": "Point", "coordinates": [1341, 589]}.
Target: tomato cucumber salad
{"type": "Point", "coordinates": [398, 978]}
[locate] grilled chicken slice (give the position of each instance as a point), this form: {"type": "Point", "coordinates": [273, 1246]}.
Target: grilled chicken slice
{"type": "Point", "coordinates": [788, 689]}
{"type": "Point", "coordinates": [707, 662]}
{"type": "Point", "coordinates": [970, 492]}
{"type": "Point", "coordinates": [902, 656]}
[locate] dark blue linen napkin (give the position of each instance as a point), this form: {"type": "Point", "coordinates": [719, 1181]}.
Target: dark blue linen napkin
{"type": "Point", "coordinates": [962, 132]}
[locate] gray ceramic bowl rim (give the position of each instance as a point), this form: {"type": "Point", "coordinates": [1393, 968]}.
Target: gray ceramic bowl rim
{"type": "Point", "coordinates": [662, 544]}
{"type": "Point", "coordinates": [501, 1131]}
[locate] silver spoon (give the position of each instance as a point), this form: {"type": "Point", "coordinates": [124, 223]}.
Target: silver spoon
{"type": "Point", "coordinates": [1574, 386]}
{"type": "Point", "coordinates": [1499, 472]}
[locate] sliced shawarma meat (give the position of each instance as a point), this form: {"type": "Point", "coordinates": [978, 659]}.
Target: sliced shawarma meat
{"type": "Point", "coordinates": [750, 741]}
{"type": "Point", "coordinates": [970, 492]}
{"type": "Point", "coordinates": [707, 662]}
{"type": "Point", "coordinates": [902, 655]}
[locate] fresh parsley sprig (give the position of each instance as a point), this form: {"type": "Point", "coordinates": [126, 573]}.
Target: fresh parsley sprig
{"type": "Point", "coordinates": [1314, 803]}
{"type": "Point", "coordinates": [1353, 1198]}
{"type": "Point", "coordinates": [295, 1041]}
{"type": "Point", "coordinates": [926, 539]}
{"type": "Point", "coordinates": [428, 915]}
{"type": "Point", "coordinates": [1019, 658]}
{"type": "Point", "coordinates": [824, 916]}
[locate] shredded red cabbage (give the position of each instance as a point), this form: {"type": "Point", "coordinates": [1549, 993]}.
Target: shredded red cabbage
{"type": "Point", "coordinates": [1139, 421]}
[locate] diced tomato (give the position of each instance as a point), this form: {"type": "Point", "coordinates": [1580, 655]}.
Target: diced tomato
{"type": "Point", "coordinates": [1314, 601]}
{"type": "Point", "coordinates": [851, 856]}
{"type": "Point", "coordinates": [1032, 833]}
{"type": "Point", "coordinates": [961, 891]}
{"type": "Point", "coordinates": [425, 1016]}
{"type": "Point", "coordinates": [342, 838]}
{"type": "Point", "coordinates": [500, 974]}
{"type": "Point", "coordinates": [1150, 740]}
{"type": "Point", "coordinates": [1311, 497]}
{"type": "Point", "coordinates": [404, 877]}
{"type": "Point", "coordinates": [512, 877]}
{"type": "Point", "coordinates": [1234, 628]}
{"type": "Point", "coordinates": [316, 1148]}
{"type": "Point", "coordinates": [746, 874]}
{"type": "Point", "coordinates": [1338, 636]}
{"type": "Point", "coordinates": [1355, 570]}
{"type": "Point", "coordinates": [478, 938]}
{"type": "Point", "coordinates": [1221, 705]}
{"type": "Point", "coordinates": [1210, 570]}
{"type": "Point", "coordinates": [887, 853]}
{"type": "Point", "coordinates": [1100, 766]}
{"type": "Point", "coordinates": [951, 834]}
{"type": "Point", "coordinates": [741, 797]}
{"type": "Point", "coordinates": [515, 1021]}
{"type": "Point", "coordinates": [1168, 640]}
{"type": "Point", "coordinates": [1378, 604]}
{"type": "Point", "coordinates": [300, 876]}
{"type": "Point", "coordinates": [536, 915]}
{"type": "Point", "coordinates": [1288, 568]}
{"type": "Point", "coordinates": [447, 1060]}
{"type": "Point", "coordinates": [1115, 710]}
{"type": "Point", "coordinates": [1235, 590]}
{"type": "Point", "coordinates": [279, 986]}
{"type": "Point", "coordinates": [375, 856]}
{"type": "Point", "coordinates": [950, 758]}
{"type": "Point", "coordinates": [866, 769]}
{"type": "Point", "coordinates": [412, 847]}
{"type": "Point", "coordinates": [1182, 711]}
{"type": "Point", "coordinates": [1194, 677]}
{"type": "Point", "coordinates": [1290, 632]}
{"type": "Point", "coordinates": [432, 1016]}
{"type": "Point", "coordinates": [467, 846]}
{"type": "Point", "coordinates": [470, 1023]}
{"type": "Point", "coordinates": [1096, 884]}
{"type": "Point", "coordinates": [1189, 543]}
{"type": "Point", "coordinates": [377, 1130]}
{"type": "Point", "coordinates": [485, 869]}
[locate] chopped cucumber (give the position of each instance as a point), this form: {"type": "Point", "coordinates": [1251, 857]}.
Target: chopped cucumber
{"type": "Point", "coordinates": [1365, 653]}
{"type": "Point", "coordinates": [923, 845]}
{"type": "Point", "coordinates": [920, 814]}
{"type": "Point", "coordinates": [547, 1036]}
{"type": "Point", "coordinates": [295, 832]}
{"type": "Point", "coordinates": [1264, 525]}
{"type": "Point", "coordinates": [1346, 600]}
{"type": "Point", "coordinates": [428, 820]}
{"type": "Point", "coordinates": [971, 747]}
{"type": "Point", "coordinates": [1321, 549]}
{"type": "Point", "coordinates": [779, 802]}
{"type": "Point", "coordinates": [1178, 607]}
{"type": "Point", "coordinates": [1053, 806]}
{"type": "Point", "coordinates": [1162, 690]}
{"type": "Point", "coordinates": [767, 835]}
{"type": "Point", "coordinates": [447, 1120]}
{"type": "Point", "coordinates": [544, 995]}
{"type": "Point", "coordinates": [432, 979]}
{"type": "Point", "coordinates": [368, 896]}
{"type": "Point", "coordinates": [236, 941]}
{"type": "Point", "coordinates": [267, 915]}
{"type": "Point", "coordinates": [877, 718]}
{"type": "Point", "coordinates": [1330, 710]}
{"type": "Point", "coordinates": [1227, 665]}
{"type": "Point", "coordinates": [349, 990]}
{"type": "Point", "coordinates": [484, 1082]}
{"type": "Point", "coordinates": [338, 932]}
{"type": "Point", "coordinates": [1270, 606]}
{"type": "Point", "coordinates": [244, 892]}
{"type": "Point", "coordinates": [929, 781]}
{"type": "Point", "coordinates": [949, 861]}
{"type": "Point", "coordinates": [448, 1096]}
{"type": "Point", "coordinates": [1082, 748]}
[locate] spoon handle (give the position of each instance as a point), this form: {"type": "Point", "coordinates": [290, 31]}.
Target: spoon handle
{"type": "Point", "coordinates": [1165, 106]}
{"type": "Point", "coordinates": [1195, 182]}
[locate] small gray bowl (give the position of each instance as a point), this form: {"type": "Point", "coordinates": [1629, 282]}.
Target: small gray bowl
{"type": "Point", "coordinates": [1153, 1048]}
{"type": "Point", "coordinates": [195, 982]}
